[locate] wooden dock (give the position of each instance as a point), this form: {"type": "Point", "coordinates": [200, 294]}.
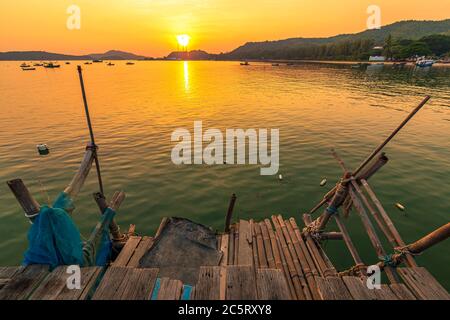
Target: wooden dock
{"type": "Point", "coordinates": [266, 260]}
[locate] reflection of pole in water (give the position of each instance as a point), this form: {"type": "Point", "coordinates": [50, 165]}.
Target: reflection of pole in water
{"type": "Point", "coordinates": [186, 75]}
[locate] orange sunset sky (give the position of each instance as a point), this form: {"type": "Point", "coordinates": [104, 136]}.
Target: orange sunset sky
{"type": "Point", "coordinates": [149, 27]}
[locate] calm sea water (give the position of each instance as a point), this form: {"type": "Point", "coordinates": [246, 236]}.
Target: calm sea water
{"type": "Point", "coordinates": [316, 107]}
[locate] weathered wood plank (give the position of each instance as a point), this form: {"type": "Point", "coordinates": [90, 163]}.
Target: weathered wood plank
{"type": "Point", "coordinates": [110, 283]}
{"type": "Point", "coordinates": [357, 289]}
{"type": "Point", "coordinates": [423, 284]}
{"type": "Point", "coordinates": [271, 285]}
{"type": "Point", "coordinates": [262, 259]}
{"type": "Point", "coordinates": [332, 288]}
{"type": "Point", "coordinates": [144, 245]}
{"type": "Point", "coordinates": [6, 274]}
{"type": "Point", "coordinates": [138, 284]}
{"type": "Point", "coordinates": [245, 255]}
{"type": "Point", "coordinates": [224, 248]}
{"type": "Point", "coordinates": [23, 283]}
{"type": "Point", "coordinates": [402, 292]}
{"type": "Point", "coordinates": [208, 285]}
{"type": "Point", "coordinates": [52, 285]}
{"type": "Point", "coordinates": [127, 252]}
{"type": "Point", "coordinates": [170, 289]}
{"type": "Point", "coordinates": [89, 278]}
{"type": "Point", "coordinates": [385, 293]}
{"type": "Point", "coordinates": [241, 283]}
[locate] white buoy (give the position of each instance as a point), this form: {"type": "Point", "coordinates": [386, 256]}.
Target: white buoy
{"type": "Point", "coordinates": [323, 182]}
{"type": "Point", "coordinates": [400, 206]}
{"type": "Point", "coordinates": [280, 177]}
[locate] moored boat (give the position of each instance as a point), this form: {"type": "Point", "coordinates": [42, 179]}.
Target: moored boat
{"type": "Point", "coordinates": [51, 65]}
{"type": "Point", "coordinates": [110, 64]}
{"type": "Point", "coordinates": [424, 63]}
{"type": "Point", "coordinates": [245, 63]}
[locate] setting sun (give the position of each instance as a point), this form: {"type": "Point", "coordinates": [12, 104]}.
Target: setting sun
{"type": "Point", "coordinates": [183, 40]}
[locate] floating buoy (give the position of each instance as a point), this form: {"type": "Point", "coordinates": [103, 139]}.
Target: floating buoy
{"type": "Point", "coordinates": [323, 182]}
{"type": "Point", "coordinates": [280, 177]}
{"type": "Point", "coordinates": [43, 149]}
{"type": "Point", "coordinates": [400, 206]}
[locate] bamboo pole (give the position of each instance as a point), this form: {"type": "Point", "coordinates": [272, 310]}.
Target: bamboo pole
{"type": "Point", "coordinates": [372, 234]}
{"type": "Point", "coordinates": [348, 241]}
{"type": "Point", "coordinates": [374, 214]}
{"type": "Point", "coordinates": [78, 180]}
{"type": "Point", "coordinates": [374, 153]}
{"type": "Point", "coordinates": [410, 260]}
{"type": "Point", "coordinates": [115, 203]}
{"type": "Point", "coordinates": [267, 245]}
{"type": "Point", "coordinates": [29, 205]}
{"type": "Point", "coordinates": [307, 272]}
{"type": "Point", "coordinates": [418, 247]}
{"type": "Point", "coordinates": [293, 253]}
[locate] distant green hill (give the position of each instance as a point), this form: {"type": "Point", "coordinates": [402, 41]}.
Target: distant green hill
{"type": "Point", "coordinates": [290, 48]}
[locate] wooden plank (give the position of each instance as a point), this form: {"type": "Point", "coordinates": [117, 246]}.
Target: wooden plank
{"type": "Point", "coordinates": [223, 282]}
{"type": "Point", "coordinates": [402, 292]}
{"type": "Point", "coordinates": [332, 288]}
{"type": "Point", "coordinates": [231, 246]}
{"type": "Point", "coordinates": [236, 244]}
{"type": "Point", "coordinates": [23, 283]}
{"type": "Point", "coordinates": [110, 283]}
{"type": "Point", "coordinates": [262, 259]}
{"type": "Point", "coordinates": [138, 284]}
{"type": "Point", "coordinates": [271, 285]}
{"type": "Point", "coordinates": [357, 289]}
{"type": "Point", "coordinates": [208, 285]}
{"type": "Point", "coordinates": [339, 289]}
{"type": "Point", "coordinates": [241, 283]}
{"type": "Point", "coordinates": [144, 245]}
{"type": "Point", "coordinates": [254, 244]}
{"type": "Point", "coordinates": [423, 284]}
{"type": "Point", "coordinates": [6, 274]}
{"type": "Point", "coordinates": [170, 289]}
{"type": "Point", "coordinates": [52, 285]}
{"type": "Point", "coordinates": [245, 254]}
{"type": "Point", "coordinates": [89, 278]}
{"type": "Point", "coordinates": [385, 293]}
{"type": "Point", "coordinates": [324, 289]}
{"type": "Point", "coordinates": [127, 252]}
{"type": "Point", "coordinates": [224, 248]}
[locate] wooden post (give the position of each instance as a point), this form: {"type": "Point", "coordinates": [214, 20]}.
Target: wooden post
{"type": "Point", "coordinates": [230, 213]}
{"type": "Point", "coordinates": [78, 180]}
{"type": "Point", "coordinates": [29, 205]}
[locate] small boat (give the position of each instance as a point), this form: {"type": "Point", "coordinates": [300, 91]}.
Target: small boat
{"type": "Point", "coordinates": [245, 63]}
{"type": "Point", "coordinates": [88, 62]}
{"type": "Point", "coordinates": [110, 64]}
{"type": "Point", "coordinates": [424, 63]}
{"type": "Point", "coordinates": [275, 64]}
{"type": "Point", "coordinates": [28, 68]}
{"type": "Point", "coordinates": [97, 61]}
{"type": "Point", "coordinates": [38, 65]}
{"type": "Point", "coordinates": [67, 62]}
{"type": "Point", "coordinates": [130, 63]}
{"type": "Point", "coordinates": [51, 65]}
{"type": "Point", "coordinates": [24, 65]}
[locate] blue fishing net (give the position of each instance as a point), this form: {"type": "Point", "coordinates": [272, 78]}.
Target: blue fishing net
{"type": "Point", "coordinates": [55, 240]}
